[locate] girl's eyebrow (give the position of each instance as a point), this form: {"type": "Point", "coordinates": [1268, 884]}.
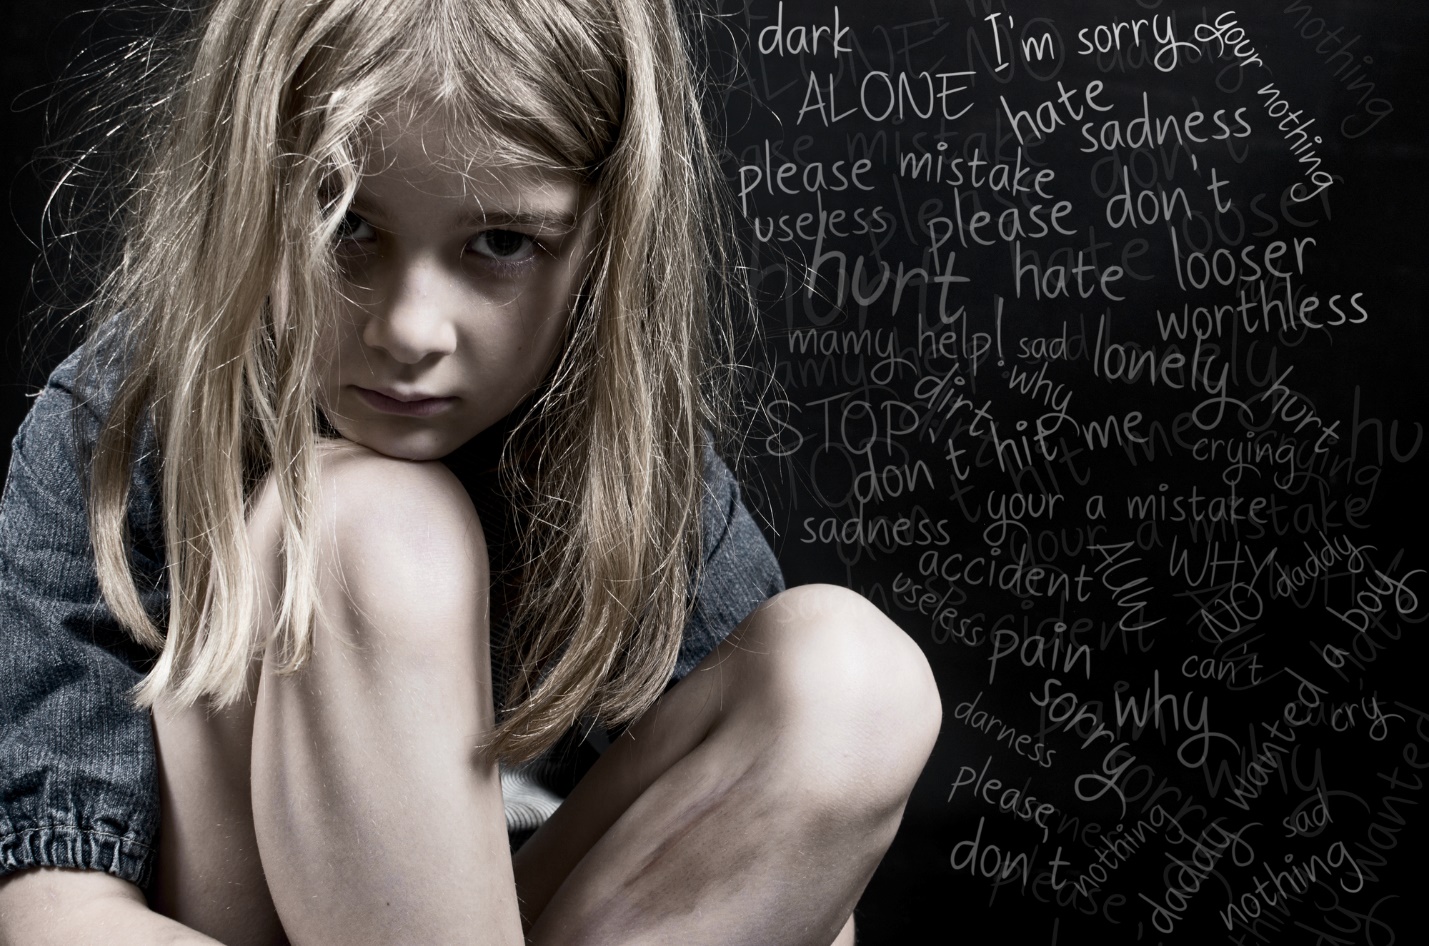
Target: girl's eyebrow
{"type": "Point", "coordinates": [555, 222]}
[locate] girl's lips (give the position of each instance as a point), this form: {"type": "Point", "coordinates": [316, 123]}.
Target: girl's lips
{"type": "Point", "coordinates": [421, 407]}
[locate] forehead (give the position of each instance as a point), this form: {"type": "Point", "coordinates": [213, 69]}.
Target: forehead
{"type": "Point", "coordinates": [431, 151]}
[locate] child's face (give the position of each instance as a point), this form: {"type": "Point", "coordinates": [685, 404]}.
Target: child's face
{"type": "Point", "coordinates": [460, 277]}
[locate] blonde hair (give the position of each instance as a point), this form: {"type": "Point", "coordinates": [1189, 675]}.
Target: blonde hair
{"type": "Point", "coordinates": [224, 274]}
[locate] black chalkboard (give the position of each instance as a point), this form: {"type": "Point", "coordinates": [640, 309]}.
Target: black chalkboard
{"type": "Point", "coordinates": [1092, 334]}
{"type": "Point", "coordinates": [1096, 332]}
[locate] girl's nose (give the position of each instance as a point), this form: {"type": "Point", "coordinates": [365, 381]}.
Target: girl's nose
{"type": "Point", "coordinates": [416, 318]}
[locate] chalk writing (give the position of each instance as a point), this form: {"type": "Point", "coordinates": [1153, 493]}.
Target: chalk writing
{"type": "Point", "coordinates": [1089, 330]}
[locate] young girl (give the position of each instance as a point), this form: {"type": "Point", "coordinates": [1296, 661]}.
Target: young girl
{"type": "Point", "coordinates": [261, 654]}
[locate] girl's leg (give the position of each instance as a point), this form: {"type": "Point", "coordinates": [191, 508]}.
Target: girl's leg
{"type": "Point", "coordinates": [369, 750]}
{"type": "Point", "coordinates": [752, 803]}
{"type": "Point", "coordinates": [208, 876]}
{"type": "Point", "coordinates": [376, 819]}
{"type": "Point", "coordinates": [762, 790]}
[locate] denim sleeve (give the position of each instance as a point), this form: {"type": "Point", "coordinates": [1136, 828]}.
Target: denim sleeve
{"type": "Point", "coordinates": [739, 570]}
{"type": "Point", "coordinates": [78, 785]}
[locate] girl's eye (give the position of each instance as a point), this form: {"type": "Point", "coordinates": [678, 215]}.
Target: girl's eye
{"type": "Point", "coordinates": [353, 228]}
{"type": "Point", "coordinates": [504, 246]}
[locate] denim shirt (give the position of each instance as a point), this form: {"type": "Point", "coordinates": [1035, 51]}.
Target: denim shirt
{"type": "Point", "coordinates": [78, 770]}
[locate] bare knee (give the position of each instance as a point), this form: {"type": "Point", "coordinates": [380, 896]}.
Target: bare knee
{"type": "Point", "coordinates": [401, 554]}
{"type": "Point", "coordinates": [829, 664]}
{"type": "Point", "coordinates": [401, 536]}
{"type": "Point", "coordinates": [377, 735]}
{"type": "Point", "coordinates": [403, 592]}
{"type": "Point", "coordinates": [399, 644]}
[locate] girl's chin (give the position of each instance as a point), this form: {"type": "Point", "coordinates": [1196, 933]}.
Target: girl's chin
{"type": "Point", "coordinates": [415, 445]}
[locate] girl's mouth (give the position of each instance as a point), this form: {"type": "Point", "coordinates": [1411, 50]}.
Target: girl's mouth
{"type": "Point", "coordinates": [405, 407]}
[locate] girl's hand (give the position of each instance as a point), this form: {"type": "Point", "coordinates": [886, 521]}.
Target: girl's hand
{"type": "Point", "coordinates": [48, 905]}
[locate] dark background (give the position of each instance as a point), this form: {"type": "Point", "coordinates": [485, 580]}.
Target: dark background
{"type": "Point", "coordinates": [854, 440]}
{"type": "Point", "coordinates": [40, 40]}
{"type": "Point", "coordinates": [839, 456]}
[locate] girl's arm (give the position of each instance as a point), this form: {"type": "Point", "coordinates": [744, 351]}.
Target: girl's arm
{"type": "Point", "coordinates": [52, 906]}
{"type": "Point", "coordinates": [78, 772]}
